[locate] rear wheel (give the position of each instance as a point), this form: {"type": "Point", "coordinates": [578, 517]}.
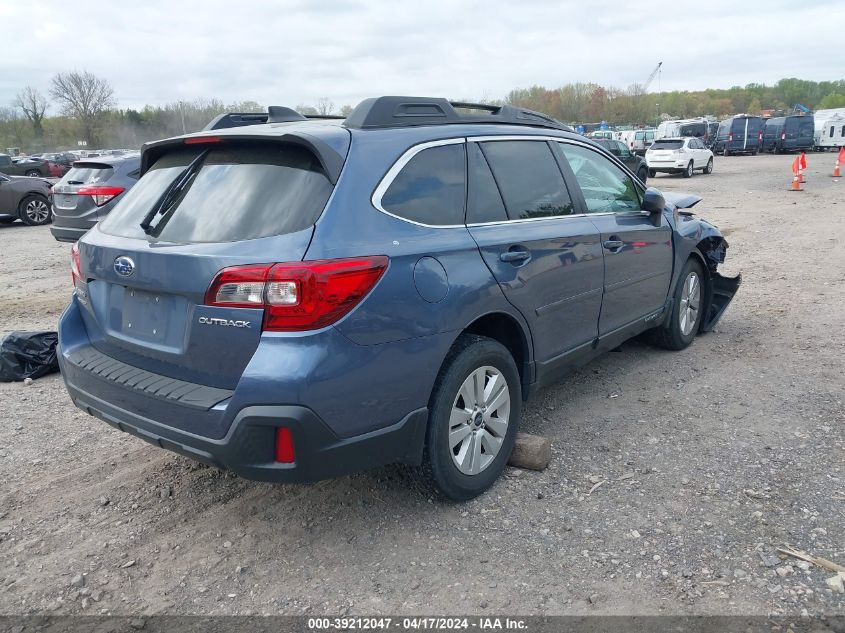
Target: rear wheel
{"type": "Point", "coordinates": [725, 151]}
{"type": "Point", "coordinates": [474, 415]}
{"type": "Point", "coordinates": [688, 172]}
{"type": "Point", "coordinates": [687, 309]}
{"type": "Point", "coordinates": [709, 168]}
{"type": "Point", "coordinates": [34, 210]}
{"type": "Point", "coordinates": [33, 173]}
{"type": "Point", "coordinates": [651, 173]}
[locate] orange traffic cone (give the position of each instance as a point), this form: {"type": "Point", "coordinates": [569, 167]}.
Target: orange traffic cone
{"type": "Point", "coordinates": [836, 170]}
{"type": "Point", "coordinates": [796, 175]}
{"type": "Point", "coordinates": [840, 158]}
{"type": "Point", "coordinates": [802, 165]}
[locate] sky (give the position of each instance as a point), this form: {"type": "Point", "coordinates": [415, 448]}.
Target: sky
{"type": "Point", "coordinates": [291, 52]}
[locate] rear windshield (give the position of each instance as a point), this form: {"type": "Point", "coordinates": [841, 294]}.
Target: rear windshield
{"type": "Point", "coordinates": [661, 144]}
{"type": "Point", "coordinates": [87, 174]}
{"type": "Point", "coordinates": [241, 192]}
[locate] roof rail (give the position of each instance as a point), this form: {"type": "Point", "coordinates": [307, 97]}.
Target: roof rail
{"type": "Point", "coordinates": [274, 114]}
{"type": "Point", "coordinates": [387, 112]}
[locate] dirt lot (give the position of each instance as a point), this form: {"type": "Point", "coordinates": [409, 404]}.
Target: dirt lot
{"type": "Point", "coordinates": [707, 458]}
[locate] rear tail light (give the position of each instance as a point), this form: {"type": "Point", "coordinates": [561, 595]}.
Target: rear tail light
{"type": "Point", "coordinates": [100, 194]}
{"type": "Point", "coordinates": [783, 136]}
{"type": "Point", "coordinates": [75, 266]}
{"type": "Point", "coordinates": [284, 446]}
{"type": "Point", "coordinates": [297, 296]}
{"type": "Point", "coordinates": [730, 138]}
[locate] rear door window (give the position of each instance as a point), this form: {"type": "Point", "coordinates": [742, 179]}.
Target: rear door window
{"type": "Point", "coordinates": [431, 188]}
{"type": "Point", "coordinates": [529, 179]}
{"type": "Point", "coordinates": [241, 192]}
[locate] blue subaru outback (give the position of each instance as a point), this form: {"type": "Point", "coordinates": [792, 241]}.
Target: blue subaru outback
{"type": "Point", "coordinates": [293, 299]}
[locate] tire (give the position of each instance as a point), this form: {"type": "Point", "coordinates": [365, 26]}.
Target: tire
{"type": "Point", "coordinates": [642, 174]}
{"type": "Point", "coordinates": [689, 171]}
{"type": "Point", "coordinates": [678, 333]}
{"type": "Point", "coordinates": [34, 210]}
{"type": "Point", "coordinates": [709, 168]}
{"type": "Point", "coordinates": [651, 173]}
{"type": "Point", "coordinates": [457, 471]}
{"type": "Point", "coordinates": [33, 173]}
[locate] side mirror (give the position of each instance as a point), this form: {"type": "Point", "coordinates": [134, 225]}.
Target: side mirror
{"type": "Point", "coordinates": [653, 201]}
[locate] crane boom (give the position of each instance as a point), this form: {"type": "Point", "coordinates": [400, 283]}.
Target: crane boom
{"type": "Point", "coordinates": [651, 77]}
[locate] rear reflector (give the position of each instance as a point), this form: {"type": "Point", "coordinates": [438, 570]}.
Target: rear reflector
{"type": "Point", "coordinates": [284, 446]}
{"type": "Point", "coordinates": [100, 194]}
{"type": "Point", "coordinates": [298, 296]}
{"type": "Point", "coordinates": [75, 265]}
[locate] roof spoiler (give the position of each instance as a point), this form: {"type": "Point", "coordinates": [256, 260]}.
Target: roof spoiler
{"type": "Point", "coordinates": [390, 112]}
{"type": "Point", "coordinates": [330, 159]}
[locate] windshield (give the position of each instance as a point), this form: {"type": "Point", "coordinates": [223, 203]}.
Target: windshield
{"type": "Point", "coordinates": [240, 192]}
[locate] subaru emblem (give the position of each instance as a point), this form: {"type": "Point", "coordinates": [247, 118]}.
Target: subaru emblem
{"type": "Point", "coordinates": [124, 266]}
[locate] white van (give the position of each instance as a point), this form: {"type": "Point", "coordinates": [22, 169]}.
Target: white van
{"type": "Point", "coordinates": [830, 133]}
{"type": "Point", "coordinates": [642, 141]}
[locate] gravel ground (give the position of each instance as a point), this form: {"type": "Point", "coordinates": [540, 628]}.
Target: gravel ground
{"type": "Point", "coordinates": [674, 475]}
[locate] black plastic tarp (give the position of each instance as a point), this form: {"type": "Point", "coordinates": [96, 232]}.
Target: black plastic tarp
{"type": "Point", "coordinates": [28, 355]}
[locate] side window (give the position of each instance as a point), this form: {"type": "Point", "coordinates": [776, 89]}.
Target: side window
{"type": "Point", "coordinates": [431, 188]}
{"type": "Point", "coordinates": [529, 179]}
{"type": "Point", "coordinates": [843, 130]}
{"type": "Point", "coordinates": [5, 161]}
{"type": "Point", "coordinates": [606, 188]}
{"type": "Point", "coordinates": [831, 131]}
{"type": "Point", "coordinates": [484, 202]}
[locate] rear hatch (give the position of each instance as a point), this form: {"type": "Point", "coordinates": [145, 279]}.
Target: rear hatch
{"type": "Point", "coordinates": [143, 293]}
{"type": "Point", "coordinates": [664, 150]}
{"type": "Point", "coordinates": [88, 177]}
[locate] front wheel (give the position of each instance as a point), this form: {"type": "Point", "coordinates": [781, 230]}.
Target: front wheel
{"type": "Point", "coordinates": [34, 210]}
{"type": "Point", "coordinates": [687, 309]}
{"type": "Point", "coordinates": [709, 168]}
{"type": "Point", "coordinates": [474, 414]}
{"type": "Point", "coordinates": [651, 173]}
{"type": "Point", "coordinates": [33, 173]}
{"type": "Point", "coordinates": [688, 172]}
{"type": "Point", "coordinates": [642, 174]}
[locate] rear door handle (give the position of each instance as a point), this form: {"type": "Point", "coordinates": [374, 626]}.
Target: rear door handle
{"type": "Point", "coordinates": [613, 245]}
{"type": "Point", "coordinates": [515, 256]}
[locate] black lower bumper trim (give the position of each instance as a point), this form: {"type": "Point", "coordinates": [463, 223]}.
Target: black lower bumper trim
{"type": "Point", "coordinates": [248, 448]}
{"type": "Point", "coordinates": [723, 290]}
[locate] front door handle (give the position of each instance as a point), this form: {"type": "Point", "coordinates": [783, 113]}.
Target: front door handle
{"type": "Point", "coordinates": [613, 245]}
{"type": "Point", "coordinates": [514, 256]}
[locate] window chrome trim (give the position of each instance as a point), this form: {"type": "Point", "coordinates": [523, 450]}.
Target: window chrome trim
{"type": "Point", "coordinates": [397, 167]}
{"type": "Point", "coordinates": [404, 159]}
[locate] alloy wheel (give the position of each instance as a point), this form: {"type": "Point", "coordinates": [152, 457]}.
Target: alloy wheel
{"type": "Point", "coordinates": [37, 211]}
{"type": "Point", "coordinates": [479, 420]}
{"type": "Point", "coordinates": [690, 301]}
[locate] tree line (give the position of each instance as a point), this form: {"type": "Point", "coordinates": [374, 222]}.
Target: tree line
{"type": "Point", "coordinates": [81, 107]}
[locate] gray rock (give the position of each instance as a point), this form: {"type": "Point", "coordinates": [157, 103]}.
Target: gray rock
{"type": "Point", "coordinates": [78, 581]}
{"type": "Point", "coordinates": [531, 451]}
{"type": "Point", "coordinates": [137, 624]}
{"type": "Point", "coordinates": [769, 560]}
{"type": "Point", "coordinates": [740, 573]}
{"type": "Point", "coordinates": [104, 501]}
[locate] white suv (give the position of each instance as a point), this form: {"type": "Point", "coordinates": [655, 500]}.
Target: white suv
{"type": "Point", "coordinates": [679, 156]}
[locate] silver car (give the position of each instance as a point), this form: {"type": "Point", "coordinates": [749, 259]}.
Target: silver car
{"type": "Point", "coordinates": [24, 198]}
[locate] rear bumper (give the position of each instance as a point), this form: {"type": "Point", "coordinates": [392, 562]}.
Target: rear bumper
{"type": "Point", "coordinates": [67, 234]}
{"type": "Point", "coordinates": [248, 447]}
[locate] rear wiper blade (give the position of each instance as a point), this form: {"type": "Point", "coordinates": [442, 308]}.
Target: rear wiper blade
{"type": "Point", "coordinates": [172, 192]}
